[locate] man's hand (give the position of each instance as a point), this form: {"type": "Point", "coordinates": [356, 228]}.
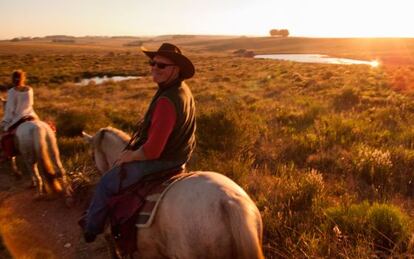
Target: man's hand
{"type": "Point", "coordinates": [129, 156]}
{"type": "Point", "coordinates": [125, 157]}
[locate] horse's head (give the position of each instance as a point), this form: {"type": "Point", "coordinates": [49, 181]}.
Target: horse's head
{"type": "Point", "coordinates": [97, 157]}
{"type": "Point", "coordinates": [107, 144]}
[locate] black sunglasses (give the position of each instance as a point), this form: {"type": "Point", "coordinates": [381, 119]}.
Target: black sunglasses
{"type": "Point", "coordinates": [160, 65]}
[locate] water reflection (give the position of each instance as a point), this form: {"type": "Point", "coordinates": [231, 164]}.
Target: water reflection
{"type": "Point", "coordinates": [100, 80]}
{"type": "Point", "coordinates": [318, 58]}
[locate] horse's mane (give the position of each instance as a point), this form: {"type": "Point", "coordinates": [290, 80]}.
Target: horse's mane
{"type": "Point", "coordinates": [118, 133]}
{"type": "Point", "coordinates": [118, 137]}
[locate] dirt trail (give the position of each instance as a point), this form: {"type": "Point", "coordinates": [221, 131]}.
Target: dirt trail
{"type": "Point", "coordinates": [40, 229]}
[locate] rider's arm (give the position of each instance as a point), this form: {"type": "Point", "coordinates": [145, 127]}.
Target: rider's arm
{"type": "Point", "coordinates": [162, 124]}
{"type": "Point", "coordinates": [9, 108]}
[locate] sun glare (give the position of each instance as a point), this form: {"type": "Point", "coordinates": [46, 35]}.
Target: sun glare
{"type": "Point", "coordinates": [375, 63]}
{"type": "Point", "coordinates": [356, 19]}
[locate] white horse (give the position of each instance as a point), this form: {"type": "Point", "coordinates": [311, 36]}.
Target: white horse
{"type": "Point", "coordinates": [205, 215]}
{"type": "Point", "coordinates": [37, 144]}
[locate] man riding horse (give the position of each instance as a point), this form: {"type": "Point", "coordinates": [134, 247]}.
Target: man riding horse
{"type": "Point", "coordinates": [164, 140]}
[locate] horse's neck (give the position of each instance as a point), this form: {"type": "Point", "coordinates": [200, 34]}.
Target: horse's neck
{"type": "Point", "coordinates": [113, 147]}
{"type": "Point", "coordinates": [110, 148]}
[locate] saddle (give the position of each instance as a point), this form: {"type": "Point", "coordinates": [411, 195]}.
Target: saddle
{"type": "Point", "coordinates": [135, 207]}
{"type": "Point", "coordinates": [7, 138]}
{"type": "Point", "coordinates": [7, 144]}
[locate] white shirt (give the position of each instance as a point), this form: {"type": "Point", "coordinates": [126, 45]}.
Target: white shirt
{"type": "Point", "coordinates": [19, 104]}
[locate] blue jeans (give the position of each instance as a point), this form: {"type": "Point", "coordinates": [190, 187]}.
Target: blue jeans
{"type": "Point", "coordinates": [109, 185]}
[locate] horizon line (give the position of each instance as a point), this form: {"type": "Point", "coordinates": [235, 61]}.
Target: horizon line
{"type": "Point", "coordinates": [212, 35]}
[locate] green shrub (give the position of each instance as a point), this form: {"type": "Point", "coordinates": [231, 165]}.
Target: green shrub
{"type": "Point", "coordinates": [383, 225]}
{"type": "Point", "coordinates": [228, 131]}
{"type": "Point", "coordinates": [389, 227]}
{"type": "Point", "coordinates": [351, 220]}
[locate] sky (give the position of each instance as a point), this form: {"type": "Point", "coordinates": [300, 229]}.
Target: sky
{"type": "Point", "coordinates": [308, 18]}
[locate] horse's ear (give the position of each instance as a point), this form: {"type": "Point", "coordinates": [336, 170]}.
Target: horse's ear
{"type": "Point", "coordinates": [87, 137]}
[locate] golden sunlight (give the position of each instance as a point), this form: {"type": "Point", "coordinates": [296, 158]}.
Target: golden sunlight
{"type": "Point", "coordinates": [353, 19]}
{"type": "Point", "coordinates": [375, 63]}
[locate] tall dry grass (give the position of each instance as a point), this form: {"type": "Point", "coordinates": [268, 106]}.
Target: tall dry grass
{"type": "Point", "coordinates": [324, 150]}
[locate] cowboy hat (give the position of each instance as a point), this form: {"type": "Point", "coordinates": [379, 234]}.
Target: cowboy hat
{"type": "Point", "coordinates": [172, 52]}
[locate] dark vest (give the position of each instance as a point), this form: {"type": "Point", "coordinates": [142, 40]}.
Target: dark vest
{"type": "Point", "coordinates": [181, 141]}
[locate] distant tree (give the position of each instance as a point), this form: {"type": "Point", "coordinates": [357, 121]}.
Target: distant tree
{"type": "Point", "coordinates": [274, 32]}
{"type": "Point", "coordinates": [279, 33]}
{"type": "Point", "coordinates": [284, 32]}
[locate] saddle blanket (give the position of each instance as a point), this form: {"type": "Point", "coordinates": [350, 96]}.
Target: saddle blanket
{"type": "Point", "coordinates": [136, 208]}
{"type": "Point", "coordinates": [7, 144]}
{"type": "Point", "coordinates": [148, 210]}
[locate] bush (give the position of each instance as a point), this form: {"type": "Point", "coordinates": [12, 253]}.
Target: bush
{"type": "Point", "coordinates": [351, 220]}
{"type": "Point", "coordinates": [228, 132]}
{"type": "Point", "coordinates": [329, 160]}
{"type": "Point", "coordinates": [71, 123]}
{"type": "Point", "coordinates": [389, 227]}
{"type": "Point", "coordinates": [298, 148]}
{"type": "Point", "coordinates": [123, 121]}
{"type": "Point", "coordinates": [384, 225]}
{"type": "Point", "coordinates": [302, 192]}
{"type": "Point", "coordinates": [346, 100]}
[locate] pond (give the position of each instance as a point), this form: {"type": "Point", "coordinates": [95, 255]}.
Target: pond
{"type": "Point", "coordinates": [100, 80]}
{"type": "Point", "coordinates": [318, 58]}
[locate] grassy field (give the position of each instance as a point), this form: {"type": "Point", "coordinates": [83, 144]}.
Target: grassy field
{"type": "Point", "coordinates": [326, 151]}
